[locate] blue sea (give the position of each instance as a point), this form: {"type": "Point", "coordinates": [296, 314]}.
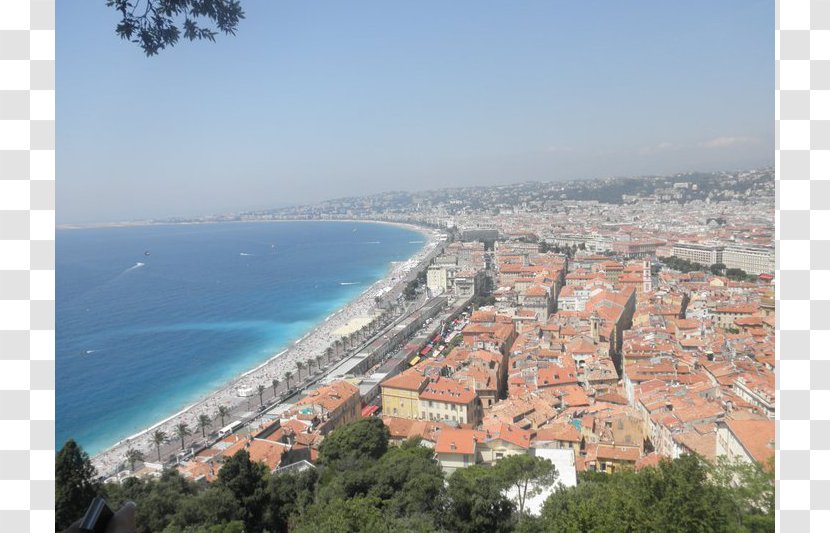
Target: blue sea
{"type": "Point", "coordinates": [139, 337]}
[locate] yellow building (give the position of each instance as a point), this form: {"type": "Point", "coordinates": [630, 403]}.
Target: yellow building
{"type": "Point", "coordinates": [399, 394]}
{"type": "Point", "coordinates": [446, 400]}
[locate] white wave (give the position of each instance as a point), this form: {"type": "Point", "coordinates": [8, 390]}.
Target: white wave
{"type": "Point", "coordinates": [88, 352]}
{"type": "Point", "coordinates": [349, 283]}
{"type": "Point", "coordinates": [416, 242]}
{"type": "Point", "coordinates": [372, 242]}
{"type": "Point", "coordinates": [243, 253]}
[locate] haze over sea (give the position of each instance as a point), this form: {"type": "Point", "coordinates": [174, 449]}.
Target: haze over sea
{"type": "Point", "coordinates": [140, 337]}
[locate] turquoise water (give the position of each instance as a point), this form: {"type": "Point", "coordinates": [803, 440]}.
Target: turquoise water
{"type": "Point", "coordinates": [139, 336]}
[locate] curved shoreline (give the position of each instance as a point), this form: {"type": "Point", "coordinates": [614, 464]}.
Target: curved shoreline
{"type": "Point", "coordinates": [313, 342]}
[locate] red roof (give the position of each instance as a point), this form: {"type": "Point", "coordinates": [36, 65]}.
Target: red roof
{"type": "Point", "coordinates": [452, 440]}
{"type": "Point", "coordinates": [449, 391]}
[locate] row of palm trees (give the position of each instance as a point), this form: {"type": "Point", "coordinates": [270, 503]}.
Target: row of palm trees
{"type": "Point", "coordinates": [180, 431]}
{"type": "Point", "coordinates": [204, 421]}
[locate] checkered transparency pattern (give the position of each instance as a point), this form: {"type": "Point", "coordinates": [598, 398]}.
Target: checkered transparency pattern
{"type": "Point", "coordinates": [803, 264]}
{"type": "Point", "coordinates": [27, 276]}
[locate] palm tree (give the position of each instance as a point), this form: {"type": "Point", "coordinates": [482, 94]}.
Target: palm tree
{"type": "Point", "coordinates": [309, 363]}
{"type": "Point", "coordinates": [300, 366]}
{"type": "Point", "coordinates": [204, 422]}
{"type": "Point", "coordinates": [158, 437]}
{"type": "Point", "coordinates": [329, 353]}
{"type": "Point", "coordinates": [288, 379]}
{"type": "Point", "coordinates": [182, 431]}
{"type": "Point", "coordinates": [134, 456]}
{"type": "Point", "coordinates": [319, 359]}
{"type": "Point", "coordinates": [260, 389]}
{"type": "Point", "coordinates": [275, 383]}
{"type": "Point", "coordinates": [222, 412]}
{"type": "Point", "coordinates": [343, 341]}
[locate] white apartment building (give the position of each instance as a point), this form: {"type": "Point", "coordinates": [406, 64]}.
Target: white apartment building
{"type": "Point", "coordinates": [750, 259]}
{"type": "Point", "coordinates": [705, 254]}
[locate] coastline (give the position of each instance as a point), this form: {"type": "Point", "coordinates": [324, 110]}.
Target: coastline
{"type": "Point", "coordinates": [311, 343]}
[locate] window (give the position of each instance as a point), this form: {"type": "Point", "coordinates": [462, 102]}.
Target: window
{"type": "Point", "coordinates": [395, 411]}
{"type": "Point", "coordinates": [499, 455]}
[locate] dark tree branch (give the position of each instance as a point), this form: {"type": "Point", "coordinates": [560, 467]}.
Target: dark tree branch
{"type": "Point", "coordinates": [164, 21]}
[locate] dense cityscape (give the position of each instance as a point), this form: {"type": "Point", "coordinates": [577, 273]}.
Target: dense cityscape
{"type": "Point", "coordinates": [593, 326]}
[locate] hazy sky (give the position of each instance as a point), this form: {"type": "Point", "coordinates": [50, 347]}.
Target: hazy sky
{"type": "Point", "coordinates": [316, 100]}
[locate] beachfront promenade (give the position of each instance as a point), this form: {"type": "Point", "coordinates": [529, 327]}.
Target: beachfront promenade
{"type": "Point", "coordinates": [306, 351]}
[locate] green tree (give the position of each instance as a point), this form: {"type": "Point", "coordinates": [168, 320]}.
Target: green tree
{"type": "Point", "coordinates": [289, 495]}
{"type": "Point", "coordinates": [678, 496]}
{"type": "Point", "coordinates": [158, 438]}
{"type": "Point", "coordinates": [204, 423]}
{"type": "Point", "coordinates": [246, 480]}
{"type": "Point", "coordinates": [156, 24]}
{"type": "Point", "coordinates": [367, 438]}
{"type": "Point", "coordinates": [717, 268]}
{"type": "Point", "coordinates": [410, 482]}
{"type": "Point", "coordinates": [161, 500]}
{"type": "Point", "coordinates": [288, 375]}
{"type": "Point", "coordinates": [477, 503]}
{"type": "Point", "coordinates": [274, 384]}
{"type": "Point", "coordinates": [344, 516]}
{"type": "Point", "coordinates": [134, 456]}
{"type": "Point", "coordinates": [222, 412]}
{"type": "Point", "coordinates": [260, 389]}
{"type": "Point", "coordinates": [216, 505]}
{"type": "Point", "coordinates": [750, 488]}
{"type": "Point", "coordinates": [182, 431]}
{"type": "Point", "coordinates": [75, 484]}
{"type": "Point", "coordinates": [527, 475]}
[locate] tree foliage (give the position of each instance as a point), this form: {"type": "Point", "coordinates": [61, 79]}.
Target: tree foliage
{"type": "Point", "coordinates": [247, 482]}
{"type": "Point", "coordinates": [75, 484]}
{"type": "Point", "coordinates": [363, 486]}
{"type": "Point", "coordinates": [684, 495]}
{"type": "Point", "coordinates": [527, 475]}
{"type": "Point", "coordinates": [156, 24]}
{"type": "Point", "coordinates": [477, 503]}
{"type": "Point", "coordinates": [367, 438]}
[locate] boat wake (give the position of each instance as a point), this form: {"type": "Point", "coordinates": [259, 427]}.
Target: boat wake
{"type": "Point", "coordinates": [416, 242]}
{"type": "Point", "coordinates": [348, 283]}
{"type": "Point", "coordinates": [372, 242]}
{"type": "Point", "coordinates": [137, 265]}
{"type": "Point", "coordinates": [244, 254]}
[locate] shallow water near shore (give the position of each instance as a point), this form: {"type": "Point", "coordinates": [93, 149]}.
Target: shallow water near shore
{"type": "Point", "coordinates": [150, 318]}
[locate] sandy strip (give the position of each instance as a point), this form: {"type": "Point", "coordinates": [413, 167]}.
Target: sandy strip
{"type": "Point", "coordinates": [309, 345]}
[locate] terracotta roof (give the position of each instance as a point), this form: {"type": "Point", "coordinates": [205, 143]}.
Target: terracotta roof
{"type": "Point", "coordinates": [509, 433]}
{"type": "Point", "coordinates": [331, 396]}
{"type": "Point", "coordinates": [268, 452]}
{"type": "Point", "coordinates": [561, 432]}
{"type": "Point", "coordinates": [616, 453]}
{"type": "Point", "coordinates": [453, 440]}
{"type": "Point", "coordinates": [411, 380]}
{"type": "Point", "coordinates": [448, 391]}
{"type": "Point", "coordinates": [650, 460]}
{"type": "Point", "coordinates": [756, 435]}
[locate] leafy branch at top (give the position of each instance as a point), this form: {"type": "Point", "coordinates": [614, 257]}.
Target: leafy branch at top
{"type": "Point", "coordinates": [156, 24]}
